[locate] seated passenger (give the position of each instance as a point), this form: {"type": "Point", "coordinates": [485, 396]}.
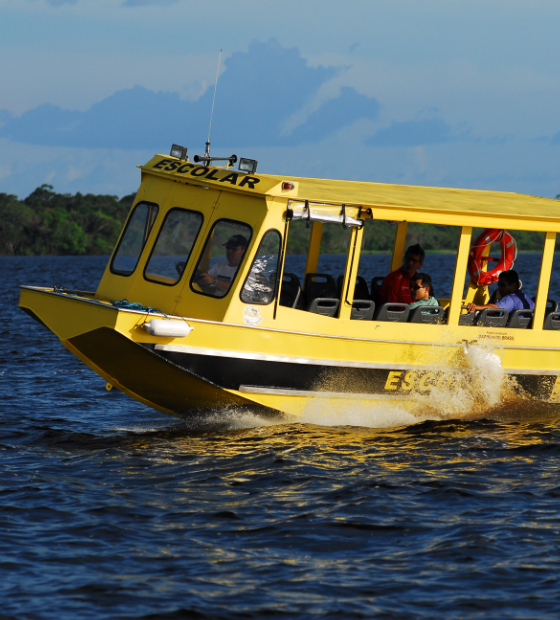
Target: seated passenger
{"type": "Point", "coordinates": [422, 292]}
{"type": "Point", "coordinates": [396, 286]}
{"type": "Point", "coordinates": [511, 297]}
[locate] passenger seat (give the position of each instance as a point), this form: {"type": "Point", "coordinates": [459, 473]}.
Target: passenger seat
{"type": "Point", "coordinates": [362, 310]}
{"type": "Point", "coordinates": [492, 317]}
{"type": "Point", "coordinates": [361, 290]}
{"type": "Point", "coordinates": [427, 314]}
{"type": "Point", "coordinates": [320, 294]}
{"type": "Point", "coordinates": [290, 295]}
{"type": "Point", "coordinates": [551, 315]}
{"type": "Point", "coordinates": [362, 306]}
{"type": "Point", "coordinates": [395, 312]}
{"type": "Point", "coordinates": [521, 319]}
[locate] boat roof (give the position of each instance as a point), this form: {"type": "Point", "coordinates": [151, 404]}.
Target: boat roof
{"type": "Point", "coordinates": [389, 201]}
{"type": "Point", "coordinates": [419, 198]}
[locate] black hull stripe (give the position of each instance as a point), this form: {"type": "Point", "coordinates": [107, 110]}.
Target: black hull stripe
{"type": "Point", "coordinates": [231, 373]}
{"type": "Point", "coordinates": [315, 378]}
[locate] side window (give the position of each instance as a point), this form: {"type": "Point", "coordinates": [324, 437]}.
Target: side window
{"type": "Point", "coordinates": [134, 239]}
{"type": "Point", "coordinates": [221, 258]}
{"type": "Point", "coordinates": [173, 246]}
{"type": "Point", "coordinates": [260, 285]}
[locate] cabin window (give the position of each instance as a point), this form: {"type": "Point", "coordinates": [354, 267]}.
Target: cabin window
{"type": "Point", "coordinates": [438, 242]}
{"type": "Point", "coordinates": [260, 285]}
{"type": "Point", "coordinates": [314, 267]}
{"type": "Point", "coordinates": [173, 246]}
{"type": "Point", "coordinates": [134, 239]}
{"type": "Point", "coordinates": [221, 258]}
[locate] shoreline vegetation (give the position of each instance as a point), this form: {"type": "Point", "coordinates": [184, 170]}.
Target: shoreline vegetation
{"type": "Point", "coordinates": [50, 224]}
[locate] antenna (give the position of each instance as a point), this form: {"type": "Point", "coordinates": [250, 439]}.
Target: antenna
{"type": "Point", "coordinates": [207, 152]}
{"type": "Point", "coordinates": [206, 159]}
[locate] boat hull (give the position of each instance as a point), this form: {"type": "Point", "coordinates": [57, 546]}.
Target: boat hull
{"type": "Point", "coordinates": [270, 370]}
{"type": "Point", "coordinates": [147, 377]}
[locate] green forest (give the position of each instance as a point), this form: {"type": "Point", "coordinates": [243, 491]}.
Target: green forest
{"type": "Point", "coordinates": [48, 223]}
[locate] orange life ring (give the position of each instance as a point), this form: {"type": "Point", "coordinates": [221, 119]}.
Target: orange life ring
{"type": "Point", "coordinates": [505, 262]}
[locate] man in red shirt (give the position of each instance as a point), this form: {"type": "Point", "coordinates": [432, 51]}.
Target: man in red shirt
{"type": "Point", "coordinates": [396, 286]}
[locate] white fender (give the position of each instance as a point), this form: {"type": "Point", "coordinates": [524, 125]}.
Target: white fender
{"type": "Point", "coordinates": [167, 328]}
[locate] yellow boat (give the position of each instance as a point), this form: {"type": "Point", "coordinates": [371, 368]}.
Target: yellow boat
{"type": "Point", "coordinates": [196, 311]}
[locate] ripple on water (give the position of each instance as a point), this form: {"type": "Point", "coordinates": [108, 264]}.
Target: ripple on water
{"type": "Point", "coordinates": [110, 509]}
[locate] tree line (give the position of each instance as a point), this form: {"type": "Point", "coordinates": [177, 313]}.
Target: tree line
{"type": "Point", "coordinates": [379, 237]}
{"type": "Point", "coordinates": [48, 223]}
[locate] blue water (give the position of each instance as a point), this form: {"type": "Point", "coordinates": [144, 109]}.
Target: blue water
{"type": "Point", "coordinates": [111, 510]}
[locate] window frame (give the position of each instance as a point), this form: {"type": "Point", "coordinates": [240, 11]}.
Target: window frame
{"type": "Point", "coordinates": [123, 236]}
{"type": "Point", "coordinates": [278, 270]}
{"type": "Point", "coordinates": [155, 244]}
{"type": "Point", "coordinates": [223, 219]}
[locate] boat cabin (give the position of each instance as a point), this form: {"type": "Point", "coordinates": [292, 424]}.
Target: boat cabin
{"type": "Point", "coordinates": [214, 244]}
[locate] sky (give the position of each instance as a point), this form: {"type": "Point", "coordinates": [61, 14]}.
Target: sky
{"type": "Point", "coordinates": [451, 93]}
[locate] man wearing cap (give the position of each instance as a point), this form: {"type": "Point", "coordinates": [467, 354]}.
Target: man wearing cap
{"type": "Point", "coordinates": [221, 274]}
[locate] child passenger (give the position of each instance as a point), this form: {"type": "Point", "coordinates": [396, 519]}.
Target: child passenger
{"type": "Point", "coordinates": [422, 291]}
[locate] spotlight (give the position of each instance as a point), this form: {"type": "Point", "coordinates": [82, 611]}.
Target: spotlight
{"type": "Point", "coordinates": [248, 165]}
{"type": "Point", "coordinates": [180, 152]}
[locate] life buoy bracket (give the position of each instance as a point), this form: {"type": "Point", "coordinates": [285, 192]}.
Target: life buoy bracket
{"type": "Point", "coordinates": [504, 263]}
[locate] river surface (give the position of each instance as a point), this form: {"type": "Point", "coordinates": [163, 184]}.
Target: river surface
{"type": "Point", "coordinates": [109, 509]}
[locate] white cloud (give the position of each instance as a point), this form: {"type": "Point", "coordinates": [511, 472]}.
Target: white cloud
{"type": "Point", "coordinates": [100, 171]}
{"type": "Point", "coordinates": [249, 92]}
{"type": "Point", "coordinates": [491, 65]}
{"type": "Point", "coordinates": [49, 77]}
{"type": "Point", "coordinates": [493, 100]}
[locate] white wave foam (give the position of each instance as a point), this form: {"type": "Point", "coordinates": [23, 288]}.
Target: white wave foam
{"type": "Point", "coordinates": [232, 418]}
{"type": "Point", "coordinates": [476, 385]}
{"type": "Point", "coordinates": [321, 411]}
